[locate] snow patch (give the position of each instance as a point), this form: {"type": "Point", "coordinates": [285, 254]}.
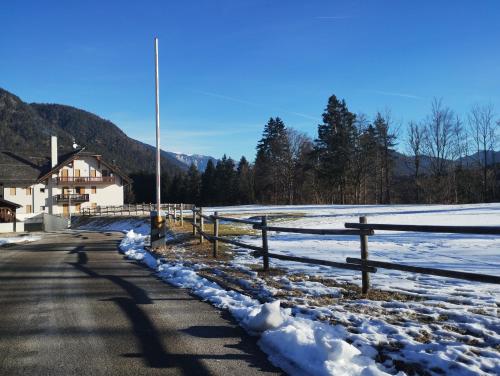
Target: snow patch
{"type": "Point", "coordinates": [296, 344]}
{"type": "Point", "coordinates": [19, 239]}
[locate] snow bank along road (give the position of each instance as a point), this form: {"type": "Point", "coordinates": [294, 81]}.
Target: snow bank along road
{"type": "Point", "coordinates": [71, 305]}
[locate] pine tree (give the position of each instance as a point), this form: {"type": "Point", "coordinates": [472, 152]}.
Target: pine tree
{"type": "Point", "coordinates": [177, 191]}
{"type": "Point", "coordinates": [335, 146]}
{"type": "Point", "coordinates": [272, 151]}
{"type": "Point", "coordinates": [193, 185]}
{"type": "Point", "coordinates": [208, 184]}
{"type": "Point", "coordinates": [225, 182]}
{"type": "Point", "coordinates": [385, 144]}
{"type": "Point", "coordinates": [245, 182]}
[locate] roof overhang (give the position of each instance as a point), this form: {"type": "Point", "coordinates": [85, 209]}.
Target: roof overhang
{"type": "Point", "coordinates": [78, 154]}
{"type": "Point", "coordinates": [9, 204]}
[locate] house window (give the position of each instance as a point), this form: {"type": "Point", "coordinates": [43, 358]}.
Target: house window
{"type": "Point", "coordinates": [28, 191]}
{"type": "Point", "coordinates": [80, 190]}
{"type": "Point", "coordinates": [42, 190]}
{"type": "Point", "coordinates": [13, 191]}
{"type": "Point", "coordinates": [105, 173]}
{"type": "Point", "coordinates": [78, 207]}
{"type": "Point", "coordinates": [93, 189]}
{"type": "Point", "coordinates": [29, 209]}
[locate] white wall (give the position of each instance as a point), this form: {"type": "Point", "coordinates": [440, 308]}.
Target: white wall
{"type": "Point", "coordinates": [9, 227]}
{"type": "Point", "coordinates": [37, 199]}
{"type": "Point", "coordinates": [106, 194]}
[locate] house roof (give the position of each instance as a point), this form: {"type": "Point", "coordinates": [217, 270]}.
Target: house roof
{"type": "Point", "coordinates": [20, 168]}
{"type": "Point", "coordinates": [25, 169]}
{"type": "Point", "coordinates": [79, 154]}
{"type": "Point", "coordinates": [8, 204]}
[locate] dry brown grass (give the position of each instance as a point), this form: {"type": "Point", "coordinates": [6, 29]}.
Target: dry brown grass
{"type": "Point", "coordinates": [196, 252]}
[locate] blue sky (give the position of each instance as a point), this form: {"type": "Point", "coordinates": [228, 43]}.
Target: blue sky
{"type": "Point", "coordinates": [227, 66]}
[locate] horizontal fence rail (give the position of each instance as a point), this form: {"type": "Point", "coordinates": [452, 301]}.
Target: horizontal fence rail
{"type": "Point", "coordinates": [315, 231]}
{"type": "Point", "coordinates": [431, 271]}
{"type": "Point", "coordinates": [341, 265]}
{"type": "Point", "coordinates": [362, 229]}
{"type": "Point", "coordinates": [198, 227]}
{"type": "Point", "coordinates": [479, 230]}
{"type": "Point", "coordinates": [239, 220]}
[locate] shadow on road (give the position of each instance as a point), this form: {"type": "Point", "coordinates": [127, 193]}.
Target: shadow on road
{"type": "Point", "coordinates": [154, 352]}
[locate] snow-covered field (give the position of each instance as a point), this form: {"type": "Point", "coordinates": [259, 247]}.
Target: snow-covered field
{"type": "Point", "coordinates": [19, 239]}
{"type": "Point", "coordinates": [470, 253]}
{"type": "Point", "coordinates": [450, 327]}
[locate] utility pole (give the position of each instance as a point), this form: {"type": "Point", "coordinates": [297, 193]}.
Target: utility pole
{"type": "Point", "coordinates": [157, 221]}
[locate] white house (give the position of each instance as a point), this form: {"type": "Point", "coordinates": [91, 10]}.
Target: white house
{"type": "Point", "coordinates": [59, 185]}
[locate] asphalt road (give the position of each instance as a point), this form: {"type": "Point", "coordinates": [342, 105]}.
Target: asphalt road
{"type": "Point", "coordinates": [70, 304]}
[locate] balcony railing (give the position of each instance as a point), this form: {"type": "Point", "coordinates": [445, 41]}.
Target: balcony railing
{"type": "Point", "coordinates": [74, 197]}
{"type": "Point", "coordinates": [85, 179]}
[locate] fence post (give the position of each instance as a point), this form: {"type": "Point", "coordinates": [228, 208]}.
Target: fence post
{"type": "Point", "coordinates": [216, 233]}
{"type": "Point", "coordinates": [182, 215]}
{"type": "Point", "coordinates": [194, 220]}
{"type": "Point", "coordinates": [365, 276]}
{"type": "Point", "coordinates": [265, 246]}
{"type": "Point", "coordinates": [201, 226]}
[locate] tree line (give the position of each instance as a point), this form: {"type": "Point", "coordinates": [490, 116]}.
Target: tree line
{"type": "Point", "coordinates": [352, 160]}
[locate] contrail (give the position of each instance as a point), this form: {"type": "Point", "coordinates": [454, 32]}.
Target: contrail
{"type": "Point", "coordinates": [253, 104]}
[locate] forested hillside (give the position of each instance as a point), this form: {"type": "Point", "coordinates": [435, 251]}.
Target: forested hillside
{"type": "Point", "coordinates": [28, 127]}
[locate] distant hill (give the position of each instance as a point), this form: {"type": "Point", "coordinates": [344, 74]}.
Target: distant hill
{"type": "Point", "coordinates": [491, 157]}
{"type": "Point", "coordinates": [404, 165]}
{"type": "Point", "coordinates": [28, 127]}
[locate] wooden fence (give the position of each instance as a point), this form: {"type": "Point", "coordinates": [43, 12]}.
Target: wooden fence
{"type": "Point", "coordinates": [361, 229]}
{"type": "Point", "coordinates": [175, 212]}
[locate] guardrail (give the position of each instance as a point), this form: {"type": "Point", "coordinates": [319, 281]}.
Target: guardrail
{"type": "Point", "coordinates": [361, 229]}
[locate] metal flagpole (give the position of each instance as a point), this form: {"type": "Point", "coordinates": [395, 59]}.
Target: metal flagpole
{"type": "Point", "coordinates": [157, 85]}
{"type": "Point", "coordinates": [157, 221]}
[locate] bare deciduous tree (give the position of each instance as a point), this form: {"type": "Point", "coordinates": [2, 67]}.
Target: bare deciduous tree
{"type": "Point", "coordinates": [484, 134]}
{"type": "Point", "coordinates": [416, 135]}
{"type": "Point", "coordinates": [438, 137]}
{"type": "Point", "coordinates": [298, 144]}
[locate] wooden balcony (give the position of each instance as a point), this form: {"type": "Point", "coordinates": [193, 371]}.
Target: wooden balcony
{"type": "Point", "coordinates": [73, 197]}
{"type": "Point", "coordinates": [71, 180]}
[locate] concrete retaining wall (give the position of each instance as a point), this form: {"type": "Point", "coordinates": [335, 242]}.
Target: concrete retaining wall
{"type": "Point", "coordinates": [9, 227]}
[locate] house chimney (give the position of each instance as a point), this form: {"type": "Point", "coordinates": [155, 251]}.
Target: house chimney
{"type": "Point", "coordinates": [53, 151]}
